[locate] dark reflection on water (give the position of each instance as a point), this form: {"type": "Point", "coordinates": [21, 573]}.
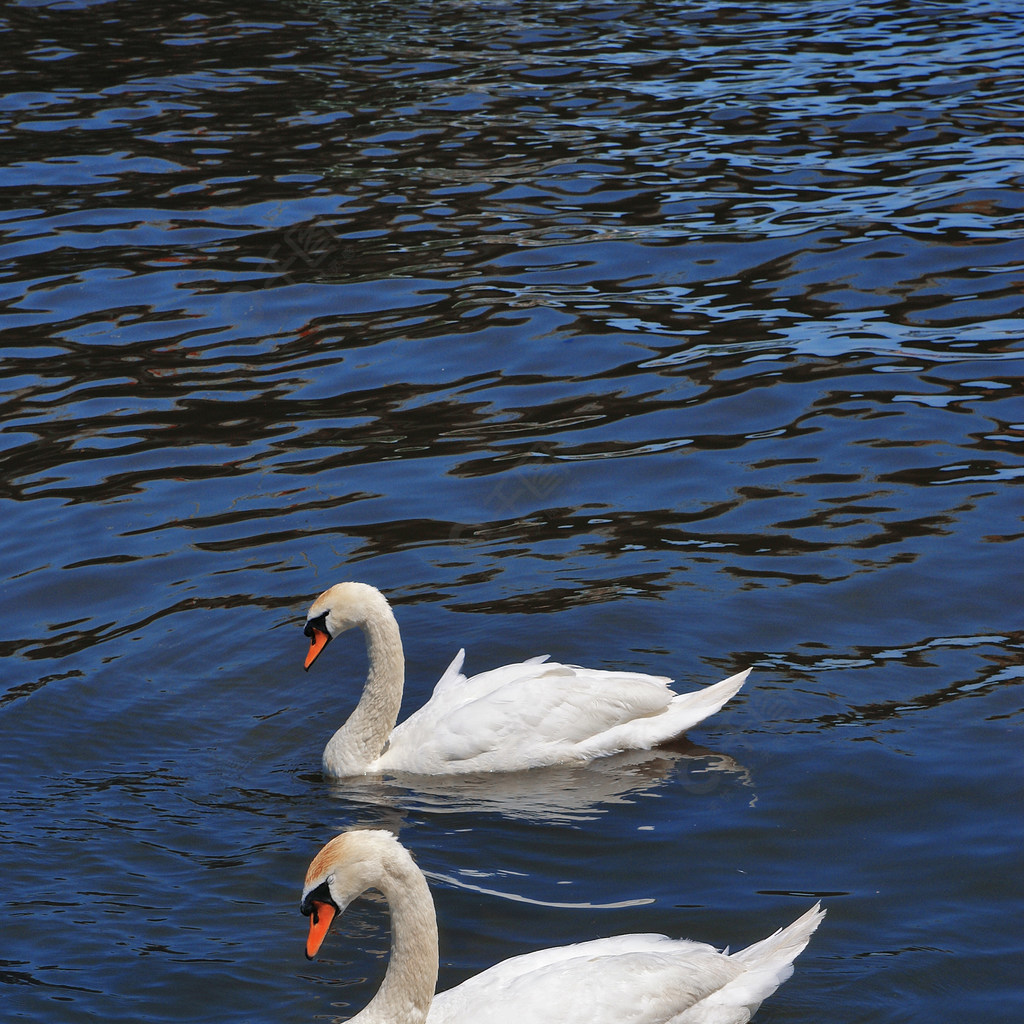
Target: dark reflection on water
{"type": "Point", "coordinates": [559, 794]}
{"type": "Point", "coordinates": [674, 337]}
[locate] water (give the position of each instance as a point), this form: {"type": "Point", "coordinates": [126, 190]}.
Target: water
{"type": "Point", "coordinates": [674, 337]}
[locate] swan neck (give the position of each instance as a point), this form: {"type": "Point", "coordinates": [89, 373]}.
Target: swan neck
{"type": "Point", "coordinates": [408, 987]}
{"type": "Point", "coordinates": [363, 738]}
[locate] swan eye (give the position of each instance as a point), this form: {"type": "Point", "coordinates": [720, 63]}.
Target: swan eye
{"type": "Point", "coordinates": [318, 623]}
{"type": "Point", "coordinates": [321, 894]}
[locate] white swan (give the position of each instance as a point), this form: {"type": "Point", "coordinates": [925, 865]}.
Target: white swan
{"type": "Point", "coordinates": [516, 717]}
{"type": "Point", "coordinates": [625, 979]}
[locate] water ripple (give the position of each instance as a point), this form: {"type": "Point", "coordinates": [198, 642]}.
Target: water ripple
{"type": "Point", "coordinates": [659, 336]}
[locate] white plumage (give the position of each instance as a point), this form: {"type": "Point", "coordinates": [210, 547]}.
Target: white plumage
{"type": "Point", "coordinates": [624, 979]}
{"type": "Point", "coordinates": [531, 714]}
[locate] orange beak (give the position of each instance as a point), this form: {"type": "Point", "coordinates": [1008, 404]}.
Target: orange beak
{"type": "Point", "coordinates": [317, 642]}
{"type": "Point", "coordinates": [320, 919]}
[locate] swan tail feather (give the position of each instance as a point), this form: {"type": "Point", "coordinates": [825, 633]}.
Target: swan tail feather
{"type": "Point", "coordinates": [768, 963]}
{"type": "Point", "coordinates": [680, 714]}
{"type": "Point", "coordinates": [696, 706]}
{"type": "Point", "coordinates": [785, 945]}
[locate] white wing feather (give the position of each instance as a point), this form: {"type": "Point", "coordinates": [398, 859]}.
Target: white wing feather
{"type": "Point", "coordinates": [538, 712]}
{"type": "Point", "coordinates": [626, 979]}
{"type": "Point", "coordinates": [630, 979]}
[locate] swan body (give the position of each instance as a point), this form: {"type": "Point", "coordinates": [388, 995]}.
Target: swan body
{"type": "Point", "coordinates": [528, 715]}
{"type": "Point", "coordinates": [624, 979]}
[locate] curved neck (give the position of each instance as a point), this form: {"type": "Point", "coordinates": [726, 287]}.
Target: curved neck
{"type": "Point", "coordinates": [408, 987]}
{"type": "Point", "coordinates": [362, 739]}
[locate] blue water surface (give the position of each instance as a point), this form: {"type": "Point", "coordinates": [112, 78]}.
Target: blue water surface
{"type": "Point", "coordinates": [668, 337]}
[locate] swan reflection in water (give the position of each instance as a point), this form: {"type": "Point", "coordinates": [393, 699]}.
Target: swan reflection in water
{"type": "Point", "coordinates": [561, 793]}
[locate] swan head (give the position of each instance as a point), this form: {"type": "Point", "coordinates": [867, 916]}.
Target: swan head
{"type": "Point", "coordinates": [344, 869]}
{"type": "Point", "coordinates": [340, 608]}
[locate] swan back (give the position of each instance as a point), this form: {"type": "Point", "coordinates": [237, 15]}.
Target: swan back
{"type": "Point", "coordinates": [623, 979]}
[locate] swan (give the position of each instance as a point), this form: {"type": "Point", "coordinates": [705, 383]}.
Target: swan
{"type": "Point", "coordinates": [624, 979]}
{"type": "Point", "coordinates": [528, 715]}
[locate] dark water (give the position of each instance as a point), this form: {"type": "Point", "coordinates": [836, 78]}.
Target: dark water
{"type": "Point", "coordinates": [676, 337]}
